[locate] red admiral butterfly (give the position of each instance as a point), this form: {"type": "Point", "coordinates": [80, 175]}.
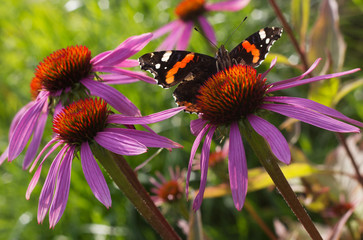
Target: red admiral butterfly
{"type": "Point", "coordinates": [191, 70]}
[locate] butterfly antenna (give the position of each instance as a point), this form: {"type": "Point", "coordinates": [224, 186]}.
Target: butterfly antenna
{"type": "Point", "coordinates": [213, 44]}
{"type": "Point", "coordinates": [235, 30]}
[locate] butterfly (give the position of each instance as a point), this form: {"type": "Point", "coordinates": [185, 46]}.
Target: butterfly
{"type": "Point", "coordinates": [190, 70]}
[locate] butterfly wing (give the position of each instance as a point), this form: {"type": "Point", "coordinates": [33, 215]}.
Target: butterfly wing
{"type": "Point", "coordinates": [254, 49]}
{"type": "Point", "coordinates": [189, 69]}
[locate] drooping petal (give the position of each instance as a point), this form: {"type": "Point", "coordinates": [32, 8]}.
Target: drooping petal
{"type": "Point", "coordinates": [18, 116]}
{"type": "Point", "coordinates": [152, 118]}
{"type": "Point", "coordinates": [274, 138]}
{"type": "Point", "coordinates": [172, 39]}
{"type": "Point", "coordinates": [302, 102]}
{"type": "Point", "coordinates": [192, 154]}
{"type": "Point", "coordinates": [24, 129]}
{"type": "Point", "coordinates": [125, 50]}
{"type": "Point", "coordinates": [231, 5]}
{"type": "Point", "coordinates": [36, 176]}
{"type": "Point", "coordinates": [313, 79]}
{"type": "Point", "coordinates": [197, 125]}
{"type": "Point", "coordinates": [207, 29]}
{"type": "Point", "coordinates": [33, 182]}
{"type": "Point", "coordinates": [274, 85]}
{"type": "Point", "coordinates": [185, 36]}
{"type": "Point", "coordinates": [117, 79]}
{"type": "Point", "coordinates": [127, 63]}
{"type": "Point", "coordinates": [124, 144]}
{"type": "Point", "coordinates": [112, 97]}
{"type": "Point", "coordinates": [311, 117]}
{"type": "Point", "coordinates": [146, 138]}
{"type": "Point", "coordinates": [204, 168]}
{"type": "Point", "coordinates": [37, 137]}
{"type": "Point", "coordinates": [94, 176]}
{"type": "Point", "coordinates": [122, 72]}
{"type": "Point", "coordinates": [273, 62]}
{"type": "Point", "coordinates": [237, 167]}
{"type": "Point", "coordinates": [53, 140]}
{"type": "Point", "coordinates": [62, 189]}
{"type": "Point", "coordinates": [46, 195]}
{"type": "Point", "coordinates": [165, 29]}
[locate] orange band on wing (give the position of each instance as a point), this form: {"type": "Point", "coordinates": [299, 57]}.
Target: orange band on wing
{"type": "Point", "coordinates": [252, 48]}
{"type": "Point", "coordinates": [170, 74]}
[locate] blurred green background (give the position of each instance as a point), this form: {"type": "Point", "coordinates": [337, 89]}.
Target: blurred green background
{"type": "Point", "coordinates": [31, 30]}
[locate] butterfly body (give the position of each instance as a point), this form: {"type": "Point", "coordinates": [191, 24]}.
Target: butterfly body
{"type": "Point", "coordinates": [190, 70]}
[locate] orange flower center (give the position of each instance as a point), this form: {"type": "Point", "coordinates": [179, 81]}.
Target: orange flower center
{"type": "Point", "coordinates": [81, 121]}
{"type": "Point", "coordinates": [231, 94]}
{"type": "Point", "coordinates": [62, 69]}
{"type": "Point", "coordinates": [170, 191]}
{"type": "Point", "coordinates": [190, 9]}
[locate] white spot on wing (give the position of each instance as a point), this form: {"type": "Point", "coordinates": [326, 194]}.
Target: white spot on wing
{"type": "Point", "coordinates": [267, 40]}
{"type": "Point", "coordinates": [157, 66]}
{"type": "Point", "coordinates": [262, 34]}
{"type": "Point", "coordinates": [166, 56]}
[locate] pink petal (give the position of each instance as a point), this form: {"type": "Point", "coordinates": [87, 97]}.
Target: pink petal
{"type": "Point", "coordinates": [125, 50]}
{"type": "Point", "coordinates": [137, 75]}
{"type": "Point", "coordinates": [146, 138]}
{"type": "Point", "coordinates": [313, 79]}
{"type": "Point", "coordinates": [117, 79]}
{"type": "Point", "coordinates": [94, 176]}
{"type": "Point", "coordinates": [119, 143]}
{"type": "Point", "coordinates": [24, 129]}
{"type": "Point", "coordinates": [185, 36]}
{"type": "Point", "coordinates": [46, 195]}
{"type": "Point", "coordinates": [207, 29]}
{"type": "Point", "coordinates": [127, 63]}
{"type": "Point", "coordinates": [53, 140]}
{"type": "Point", "coordinates": [204, 168]}
{"type": "Point", "coordinates": [274, 138]}
{"type": "Point", "coordinates": [276, 84]}
{"type": "Point", "coordinates": [273, 62]}
{"type": "Point", "coordinates": [231, 5]}
{"type": "Point", "coordinates": [37, 137]}
{"type": "Point", "coordinates": [152, 118]}
{"type": "Point", "coordinates": [311, 117]}
{"type": "Point", "coordinates": [172, 39]}
{"type": "Point", "coordinates": [18, 116]}
{"type": "Point", "coordinates": [237, 167]}
{"type": "Point", "coordinates": [62, 189]}
{"type": "Point", "coordinates": [35, 178]}
{"type": "Point", "coordinates": [165, 29]}
{"type": "Point", "coordinates": [197, 125]}
{"type": "Point", "coordinates": [307, 103]}
{"type": "Point", "coordinates": [192, 154]}
{"type": "Point", "coordinates": [33, 182]}
{"type": "Point", "coordinates": [112, 97]}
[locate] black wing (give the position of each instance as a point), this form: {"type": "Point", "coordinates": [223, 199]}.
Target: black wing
{"type": "Point", "coordinates": [189, 69]}
{"type": "Point", "coordinates": [254, 49]}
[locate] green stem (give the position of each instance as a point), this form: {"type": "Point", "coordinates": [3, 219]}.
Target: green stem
{"type": "Point", "coordinates": [269, 162]}
{"type": "Point", "coordinates": [125, 178]}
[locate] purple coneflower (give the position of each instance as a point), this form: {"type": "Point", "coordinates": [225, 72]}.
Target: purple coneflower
{"type": "Point", "coordinates": [168, 191]}
{"type": "Point", "coordinates": [190, 12]}
{"type": "Point", "coordinates": [81, 127]}
{"type": "Point", "coordinates": [67, 75]}
{"type": "Point", "coordinates": [236, 96]}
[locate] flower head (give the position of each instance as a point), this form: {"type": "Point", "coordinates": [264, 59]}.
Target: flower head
{"type": "Point", "coordinates": [168, 191]}
{"type": "Point", "coordinates": [68, 75]}
{"type": "Point", "coordinates": [81, 127]}
{"type": "Point", "coordinates": [238, 95]}
{"type": "Point", "coordinates": [190, 12]}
